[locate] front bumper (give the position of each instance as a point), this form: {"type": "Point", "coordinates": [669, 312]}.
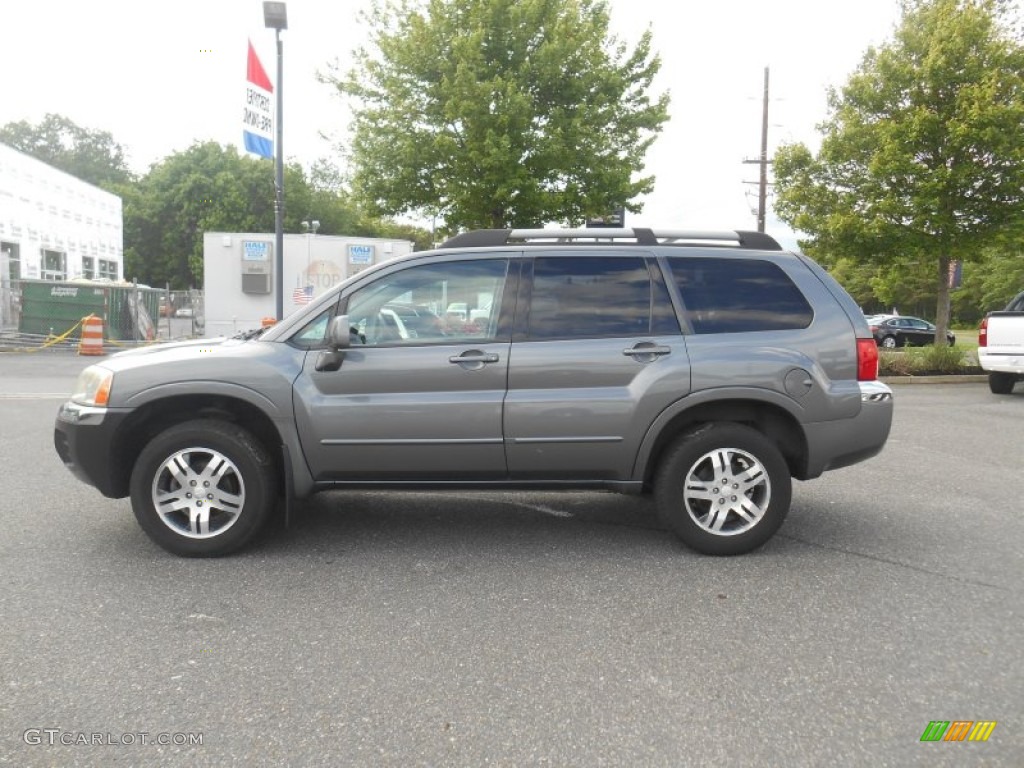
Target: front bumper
{"type": "Point", "coordinates": [84, 437]}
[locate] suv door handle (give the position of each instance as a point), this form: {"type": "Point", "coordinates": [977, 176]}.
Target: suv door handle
{"type": "Point", "coordinates": [474, 357]}
{"type": "Point", "coordinates": [650, 349]}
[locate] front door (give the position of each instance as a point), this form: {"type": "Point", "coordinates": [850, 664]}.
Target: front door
{"type": "Point", "coordinates": [418, 395]}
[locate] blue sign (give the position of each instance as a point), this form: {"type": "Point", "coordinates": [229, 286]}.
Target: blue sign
{"type": "Point", "coordinates": [360, 254]}
{"type": "Point", "coordinates": [255, 250]}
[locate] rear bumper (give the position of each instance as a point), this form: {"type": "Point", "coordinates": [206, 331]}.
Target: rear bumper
{"type": "Point", "coordinates": [1001, 362]}
{"type": "Point", "coordinates": [84, 439]}
{"type": "Point", "coordinates": [835, 444]}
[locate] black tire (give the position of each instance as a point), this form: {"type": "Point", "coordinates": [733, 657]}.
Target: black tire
{"type": "Point", "coordinates": [683, 510]}
{"type": "Point", "coordinates": [237, 500]}
{"type": "Point", "coordinates": [889, 342]}
{"type": "Point", "coordinates": [1001, 383]}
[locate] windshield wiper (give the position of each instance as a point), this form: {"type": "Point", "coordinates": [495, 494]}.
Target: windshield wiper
{"type": "Point", "coordinates": [252, 333]}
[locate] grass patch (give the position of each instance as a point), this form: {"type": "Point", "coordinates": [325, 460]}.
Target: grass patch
{"type": "Point", "coordinates": [926, 361]}
{"type": "Point", "coordinates": [967, 337]}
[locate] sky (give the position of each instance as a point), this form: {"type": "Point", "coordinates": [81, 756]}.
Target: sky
{"type": "Point", "coordinates": [160, 76]}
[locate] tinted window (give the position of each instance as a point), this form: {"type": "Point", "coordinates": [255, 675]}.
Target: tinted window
{"type": "Point", "coordinates": [590, 297]}
{"type": "Point", "coordinates": [739, 295]}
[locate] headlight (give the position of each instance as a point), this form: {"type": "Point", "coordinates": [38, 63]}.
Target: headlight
{"type": "Point", "coordinates": [93, 386]}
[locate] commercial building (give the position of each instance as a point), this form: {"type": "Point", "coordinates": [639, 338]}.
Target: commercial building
{"type": "Point", "coordinates": [54, 226]}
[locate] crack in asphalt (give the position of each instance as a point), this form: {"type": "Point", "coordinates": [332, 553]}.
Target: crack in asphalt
{"type": "Point", "coordinates": [908, 566]}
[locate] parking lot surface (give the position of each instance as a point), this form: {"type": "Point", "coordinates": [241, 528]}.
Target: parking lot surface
{"type": "Point", "coordinates": [522, 629]}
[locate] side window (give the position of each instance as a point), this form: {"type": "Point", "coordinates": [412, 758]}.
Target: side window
{"type": "Point", "coordinates": [739, 295]}
{"type": "Point", "coordinates": [312, 333]}
{"type": "Point", "coordinates": [437, 303]}
{"type": "Point", "coordinates": [589, 297]}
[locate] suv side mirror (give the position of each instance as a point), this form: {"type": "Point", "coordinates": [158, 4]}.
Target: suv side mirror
{"type": "Point", "coordinates": [339, 333]}
{"type": "Point", "coordinates": [338, 340]}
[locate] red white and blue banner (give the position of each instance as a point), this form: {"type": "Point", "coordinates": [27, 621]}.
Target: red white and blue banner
{"type": "Point", "coordinates": [258, 120]}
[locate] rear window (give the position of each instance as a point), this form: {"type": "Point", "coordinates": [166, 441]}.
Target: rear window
{"type": "Point", "coordinates": [738, 296]}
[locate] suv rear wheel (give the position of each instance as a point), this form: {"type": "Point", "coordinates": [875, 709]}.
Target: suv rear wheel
{"type": "Point", "coordinates": [723, 488]}
{"type": "Point", "coordinates": [203, 488]}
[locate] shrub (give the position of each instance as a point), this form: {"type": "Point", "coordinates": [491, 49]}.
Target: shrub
{"type": "Point", "coordinates": [920, 361]}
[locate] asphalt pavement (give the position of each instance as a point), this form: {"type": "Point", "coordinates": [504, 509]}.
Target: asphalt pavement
{"type": "Point", "coordinates": [525, 629]}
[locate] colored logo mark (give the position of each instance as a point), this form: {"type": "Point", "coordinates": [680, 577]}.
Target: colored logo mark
{"type": "Point", "coordinates": [958, 730]}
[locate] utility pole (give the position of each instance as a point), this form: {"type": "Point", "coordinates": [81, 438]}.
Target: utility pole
{"type": "Point", "coordinates": [763, 161]}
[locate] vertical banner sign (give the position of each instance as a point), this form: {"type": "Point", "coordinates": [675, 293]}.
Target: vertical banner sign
{"type": "Point", "coordinates": [956, 274]}
{"type": "Point", "coordinates": [258, 119]}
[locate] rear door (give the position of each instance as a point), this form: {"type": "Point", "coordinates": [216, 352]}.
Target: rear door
{"type": "Point", "coordinates": [597, 355]}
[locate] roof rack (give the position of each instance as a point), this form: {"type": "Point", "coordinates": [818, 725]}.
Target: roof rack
{"type": "Point", "coordinates": [482, 238]}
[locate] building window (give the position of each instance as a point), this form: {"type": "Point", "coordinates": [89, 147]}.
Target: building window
{"type": "Point", "coordinates": [55, 265]}
{"type": "Point", "coordinates": [88, 267]}
{"type": "Point", "coordinates": [108, 269]}
{"type": "Point", "coordinates": [11, 252]}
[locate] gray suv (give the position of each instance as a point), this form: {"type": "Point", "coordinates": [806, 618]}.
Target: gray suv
{"type": "Point", "coordinates": [705, 368]}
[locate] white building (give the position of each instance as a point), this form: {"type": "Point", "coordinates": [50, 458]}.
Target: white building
{"type": "Point", "coordinates": [54, 226]}
{"type": "Point", "coordinates": [238, 273]}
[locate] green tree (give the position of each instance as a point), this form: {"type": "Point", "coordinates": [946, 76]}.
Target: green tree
{"type": "Point", "coordinates": [207, 187]}
{"type": "Point", "coordinates": [989, 284]}
{"type": "Point", "coordinates": [922, 155]}
{"type": "Point", "coordinates": [494, 113]}
{"type": "Point", "coordinates": [89, 155]}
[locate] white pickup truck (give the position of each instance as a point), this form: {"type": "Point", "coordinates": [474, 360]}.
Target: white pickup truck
{"type": "Point", "coordinates": [1001, 346]}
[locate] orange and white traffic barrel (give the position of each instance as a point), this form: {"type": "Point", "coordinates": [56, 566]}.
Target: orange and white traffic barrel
{"type": "Point", "coordinates": [91, 341]}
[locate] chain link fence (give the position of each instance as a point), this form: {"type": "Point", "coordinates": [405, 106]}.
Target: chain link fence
{"type": "Point", "coordinates": [45, 313]}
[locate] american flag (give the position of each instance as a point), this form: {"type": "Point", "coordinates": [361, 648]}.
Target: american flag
{"type": "Point", "coordinates": [302, 295]}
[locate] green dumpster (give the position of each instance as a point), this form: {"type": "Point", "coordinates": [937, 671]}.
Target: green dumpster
{"type": "Point", "coordinates": [54, 308]}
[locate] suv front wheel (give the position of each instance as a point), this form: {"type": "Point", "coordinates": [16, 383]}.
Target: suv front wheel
{"type": "Point", "coordinates": [723, 488]}
{"type": "Point", "coordinates": [203, 488]}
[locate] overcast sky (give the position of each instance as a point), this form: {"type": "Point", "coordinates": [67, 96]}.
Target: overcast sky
{"type": "Point", "coordinates": [159, 76]}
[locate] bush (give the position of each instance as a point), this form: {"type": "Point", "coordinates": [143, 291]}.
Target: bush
{"type": "Point", "coordinates": [923, 361]}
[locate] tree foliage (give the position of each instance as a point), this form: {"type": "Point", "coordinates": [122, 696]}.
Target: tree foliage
{"type": "Point", "coordinates": [493, 113]}
{"type": "Point", "coordinates": [210, 188]}
{"type": "Point", "coordinates": [90, 155]}
{"type": "Point", "coordinates": [922, 155]}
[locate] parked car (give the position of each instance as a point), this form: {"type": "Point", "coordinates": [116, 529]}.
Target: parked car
{"type": "Point", "coordinates": [875, 319]}
{"type": "Point", "coordinates": [706, 369]}
{"type": "Point", "coordinates": [166, 307]}
{"type": "Point", "coordinates": [419, 320]}
{"type": "Point", "coordinates": [183, 312]}
{"type": "Point", "coordinates": [904, 331]}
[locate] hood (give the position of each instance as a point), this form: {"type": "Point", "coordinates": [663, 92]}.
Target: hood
{"type": "Point", "coordinates": [181, 354]}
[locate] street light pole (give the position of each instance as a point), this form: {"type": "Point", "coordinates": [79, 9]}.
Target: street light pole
{"type": "Point", "coordinates": [275, 16]}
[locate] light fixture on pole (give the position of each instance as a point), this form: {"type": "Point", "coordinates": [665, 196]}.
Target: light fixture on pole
{"type": "Point", "coordinates": [310, 226]}
{"type": "Point", "coordinates": [275, 17]}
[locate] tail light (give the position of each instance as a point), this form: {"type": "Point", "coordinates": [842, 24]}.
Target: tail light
{"type": "Point", "coordinates": [983, 333]}
{"type": "Point", "coordinates": [867, 360]}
